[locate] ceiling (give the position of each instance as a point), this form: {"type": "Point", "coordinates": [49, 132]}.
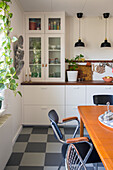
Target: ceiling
{"type": "Point", "coordinates": [71, 7]}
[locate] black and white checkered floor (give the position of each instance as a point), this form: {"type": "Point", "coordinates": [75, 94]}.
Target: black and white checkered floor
{"type": "Point", "coordinates": [37, 149]}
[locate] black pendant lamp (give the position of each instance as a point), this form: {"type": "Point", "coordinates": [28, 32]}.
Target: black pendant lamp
{"type": "Point", "coordinates": [79, 43]}
{"type": "Point", "coordinates": [106, 43]}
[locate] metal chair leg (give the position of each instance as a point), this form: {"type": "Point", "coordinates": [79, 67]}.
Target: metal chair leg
{"type": "Point", "coordinates": [96, 166]}
{"type": "Point", "coordinates": [60, 164]}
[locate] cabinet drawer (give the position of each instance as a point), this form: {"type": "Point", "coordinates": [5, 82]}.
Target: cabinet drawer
{"type": "Point", "coordinates": [70, 112]}
{"type": "Point", "coordinates": [38, 115]}
{"type": "Point", "coordinates": [75, 95]}
{"type": "Point", "coordinates": [44, 95]}
{"type": "Point", "coordinates": [94, 90]}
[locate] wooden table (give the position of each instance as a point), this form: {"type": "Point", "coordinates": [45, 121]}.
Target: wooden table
{"type": "Point", "coordinates": [101, 135]}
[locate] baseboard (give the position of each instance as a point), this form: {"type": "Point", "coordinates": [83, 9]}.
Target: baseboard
{"type": "Point", "coordinates": [16, 136]}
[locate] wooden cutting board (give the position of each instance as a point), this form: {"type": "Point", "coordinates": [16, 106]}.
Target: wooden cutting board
{"type": "Point", "coordinates": [84, 71]}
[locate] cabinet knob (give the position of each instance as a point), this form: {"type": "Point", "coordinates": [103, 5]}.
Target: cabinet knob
{"type": "Point", "coordinates": [42, 65]}
{"type": "Point", "coordinates": [45, 65]}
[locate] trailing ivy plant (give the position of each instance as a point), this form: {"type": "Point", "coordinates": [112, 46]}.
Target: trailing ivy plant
{"type": "Point", "coordinates": [8, 77]}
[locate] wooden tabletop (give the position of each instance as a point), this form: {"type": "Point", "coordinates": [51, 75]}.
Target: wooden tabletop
{"type": "Point", "coordinates": [101, 136]}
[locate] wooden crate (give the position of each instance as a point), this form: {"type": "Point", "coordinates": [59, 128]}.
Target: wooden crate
{"type": "Point", "coordinates": [84, 71]}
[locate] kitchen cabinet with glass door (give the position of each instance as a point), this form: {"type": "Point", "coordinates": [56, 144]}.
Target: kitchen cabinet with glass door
{"type": "Point", "coordinates": [55, 22]}
{"type": "Point", "coordinates": [46, 57]}
{"type": "Point", "coordinates": [34, 22]}
{"type": "Point", "coordinates": [54, 57]}
{"type": "Point", "coordinates": [35, 56]}
{"type": "Point", "coordinates": [45, 46]}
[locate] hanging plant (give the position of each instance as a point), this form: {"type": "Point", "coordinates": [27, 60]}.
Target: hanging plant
{"type": "Point", "coordinates": [8, 77]}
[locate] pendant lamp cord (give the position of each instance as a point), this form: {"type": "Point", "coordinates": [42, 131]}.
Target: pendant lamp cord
{"type": "Point", "coordinates": [51, 5]}
{"type": "Point", "coordinates": [79, 28]}
{"type": "Point", "coordinates": [106, 29]}
{"type": "Point", "coordinates": [84, 6]}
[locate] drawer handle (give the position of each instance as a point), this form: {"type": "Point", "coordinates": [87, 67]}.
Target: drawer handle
{"type": "Point", "coordinates": [43, 108]}
{"type": "Point", "coordinates": [107, 87]}
{"type": "Point", "coordinates": [43, 88]}
{"type": "Point", "coordinates": [75, 87]}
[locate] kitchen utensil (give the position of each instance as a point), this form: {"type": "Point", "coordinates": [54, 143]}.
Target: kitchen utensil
{"type": "Point", "coordinates": [100, 68]}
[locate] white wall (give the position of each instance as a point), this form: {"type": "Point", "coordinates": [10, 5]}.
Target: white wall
{"type": "Point", "coordinates": [93, 34]}
{"type": "Point", "coordinates": [14, 104]}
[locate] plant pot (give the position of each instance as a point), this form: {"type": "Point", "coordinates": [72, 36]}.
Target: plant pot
{"type": "Point", "coordinates": [72, 75]}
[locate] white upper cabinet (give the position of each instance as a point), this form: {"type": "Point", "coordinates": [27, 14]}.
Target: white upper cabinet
{"type": "Point", "coordinates": [55, 22]}
{"type": "Point", "coordinates": [34, 22]}
{"type": "Point", "coordinates": [54, 57]}
{"type": "Point", "coordinates": [35, 55]}
{"type": "Point", "coordinates": [45, 46]}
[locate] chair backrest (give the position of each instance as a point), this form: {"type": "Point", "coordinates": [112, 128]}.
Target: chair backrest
{"type": "Point", "coordinates": [73, 159]}
{"type": "Point", "coordinates": [53, 117]}
{"type": "Point", "coordinates": [103, 99]}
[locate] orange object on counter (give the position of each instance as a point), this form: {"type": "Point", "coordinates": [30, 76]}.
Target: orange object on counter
{"type": "Point", "coordinates": [108, 79]}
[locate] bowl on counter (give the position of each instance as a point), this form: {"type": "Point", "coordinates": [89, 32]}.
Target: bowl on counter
{"type": "Point", "coordinates": [108, 79]}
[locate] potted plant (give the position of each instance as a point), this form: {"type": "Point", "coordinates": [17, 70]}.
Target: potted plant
{"type": "Point", "coordinates": [72, 73]}
{"type": "Point", "coordinates": [8, 75]}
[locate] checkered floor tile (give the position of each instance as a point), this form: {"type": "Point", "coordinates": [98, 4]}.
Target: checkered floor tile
{"type": "Point", "coordinates": [37, 149]}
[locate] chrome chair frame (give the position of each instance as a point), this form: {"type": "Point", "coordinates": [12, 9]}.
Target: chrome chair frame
{"type": "Point", "coordinates": [62, 123]}
{"type": "Point", "coordinates": [74, 160]}
{"type": "Point", "coordinates": [54, 121]}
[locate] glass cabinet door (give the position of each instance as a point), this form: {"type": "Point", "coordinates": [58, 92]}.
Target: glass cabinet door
{"type": "Point", "coordinates": [54, 57]}
{"type": "Point", "coordinates": [35, 24]}
{"type": "Point", "coordinates": [54, 22]}
{"type": "Point", "coordinates": [36, 57]}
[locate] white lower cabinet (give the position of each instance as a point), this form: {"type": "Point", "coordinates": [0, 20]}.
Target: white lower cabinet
{"type": "Point", "coordinates": [38, 115]}
{"type": "Point", "coordinates": [43, 95]}
{"type": "Point", "coordinates": [97, 89]}
{"type": "Point", "coordinates": [39, 100]}
{"type": "Point", "coordinates": [75, 95]}
{"type": "Point", "coordinates": [70, 112]}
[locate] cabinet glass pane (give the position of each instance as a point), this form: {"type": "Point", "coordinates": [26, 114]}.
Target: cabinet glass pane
{"type": "Point", "coordinates": [54, 71]}
{"type": "Point", "coordinates": [35, 71]}
{"type": "Point", "coordinates": [34, 23]}
{"type": "Point", "coordinates": [54, 24]}
{"type": "Point", "coordinates": [54, 59]}
{"type": "Point", "coordinates": [35, 56]}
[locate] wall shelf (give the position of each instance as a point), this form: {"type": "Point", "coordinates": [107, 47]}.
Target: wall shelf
{"type": "Point", "coordinates": [93, 61]}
